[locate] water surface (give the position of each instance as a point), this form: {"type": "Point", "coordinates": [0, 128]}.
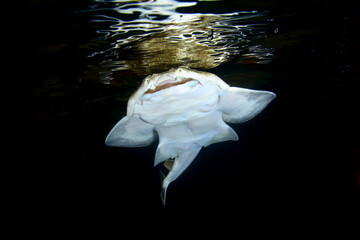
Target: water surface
{"type": "Point", "coordinates": [153, 36]}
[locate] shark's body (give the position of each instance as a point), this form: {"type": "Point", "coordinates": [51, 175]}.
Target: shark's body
{"type": "Point", "coordinates": [188, 110]}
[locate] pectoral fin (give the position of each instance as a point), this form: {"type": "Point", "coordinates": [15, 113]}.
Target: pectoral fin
{"type": "Point", "coordinates": [130, 132]}
{"type": "Point", "coordinates": [239, 104]}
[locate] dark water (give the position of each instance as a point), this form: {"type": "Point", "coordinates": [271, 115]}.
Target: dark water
{"type": "Point", "coordinates": [294, 171]}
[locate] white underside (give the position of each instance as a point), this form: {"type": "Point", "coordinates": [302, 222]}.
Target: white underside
{"type": "Point", "coordinates": [186, 117]}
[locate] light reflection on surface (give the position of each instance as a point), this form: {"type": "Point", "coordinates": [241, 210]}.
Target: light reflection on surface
{"type": "Point", "coordinates": [144, 37]}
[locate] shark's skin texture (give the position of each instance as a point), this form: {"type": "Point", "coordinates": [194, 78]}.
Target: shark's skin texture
{"type": "Point", "coordinates": [187, 110]}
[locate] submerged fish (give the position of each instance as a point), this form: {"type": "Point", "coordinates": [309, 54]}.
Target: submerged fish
{"type": "Point", "coordinates": [188, 110]}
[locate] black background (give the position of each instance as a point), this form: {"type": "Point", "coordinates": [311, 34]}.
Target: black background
{"type": "Point", "coordinates": [293, 172]}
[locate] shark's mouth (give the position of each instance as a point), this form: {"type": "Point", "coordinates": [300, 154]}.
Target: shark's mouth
{"type": "Point", "coordinates": [168, 84]}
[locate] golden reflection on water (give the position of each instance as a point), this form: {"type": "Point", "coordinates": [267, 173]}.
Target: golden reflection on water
{"type": "Point", "coordinates": [192, 43]}
{"type": "Point", "coordinates": [151, 36]}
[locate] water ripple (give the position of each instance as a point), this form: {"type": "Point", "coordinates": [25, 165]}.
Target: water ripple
{"type": "Point", "coordinates": [143, 37]}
